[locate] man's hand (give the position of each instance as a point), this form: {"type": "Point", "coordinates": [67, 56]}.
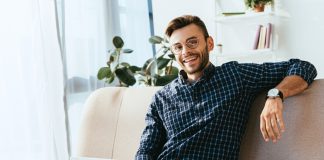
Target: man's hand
{"type": "Point", "coordinates": [271, 121]}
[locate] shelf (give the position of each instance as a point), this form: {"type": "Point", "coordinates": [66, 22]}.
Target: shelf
{"type": "Point", "coordinates": [250, 16]}
{"type": "Point", "coordinates": [249, 53]}
{"type": "Point", "coordinates": [237, 31]}
{"type": "Point", "coordinates": [253, 56]}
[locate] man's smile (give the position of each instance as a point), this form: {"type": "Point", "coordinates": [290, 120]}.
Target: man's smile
{"type": "Point", "coordinates": [190, 59]}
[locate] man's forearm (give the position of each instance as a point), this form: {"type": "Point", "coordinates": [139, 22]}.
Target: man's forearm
{"type": "Point", "coordinates": [292, 85]}
{"type": "Point", "coordinates": [271, 118]}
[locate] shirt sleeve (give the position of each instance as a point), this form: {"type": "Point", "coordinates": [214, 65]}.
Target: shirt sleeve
{"type": "Point", "coordinates": [257, 77]}
{"type": "Point", "coordinates": [154, 135]}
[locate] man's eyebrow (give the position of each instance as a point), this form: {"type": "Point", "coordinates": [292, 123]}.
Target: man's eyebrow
{"type": "Point", "coordinates": [193, 37]}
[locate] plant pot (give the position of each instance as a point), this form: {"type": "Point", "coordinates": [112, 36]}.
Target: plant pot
{"type": "Point", "coordinates": [259, 8]}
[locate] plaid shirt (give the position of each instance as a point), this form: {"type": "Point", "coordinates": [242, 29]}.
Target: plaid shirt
{"type": "Point", "coordinates": [207, 119]}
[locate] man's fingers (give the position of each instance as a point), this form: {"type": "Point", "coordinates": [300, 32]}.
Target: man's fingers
{"type": "Point", "coordinates": [281, 123]}
{"type": "Point", "coordinates": [269, 128]}
{"type": "Point", "coordinates": [263, 129]}
{"type": "Point", "coordinates": [275, 128]}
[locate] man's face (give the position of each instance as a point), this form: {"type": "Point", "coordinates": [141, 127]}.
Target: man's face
{"type": "Point", "coordinates": [190, 48]}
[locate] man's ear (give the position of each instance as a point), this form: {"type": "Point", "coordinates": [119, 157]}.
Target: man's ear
{"type": "Point", "coordinates": [210, 43]}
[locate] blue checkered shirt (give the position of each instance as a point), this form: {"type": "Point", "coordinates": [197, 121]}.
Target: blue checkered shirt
{"type": "Point", "coordinates": [207, 119]}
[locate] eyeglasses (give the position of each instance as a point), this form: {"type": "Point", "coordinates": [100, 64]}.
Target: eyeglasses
{"type": "Point", "coordinates": [191, 43]}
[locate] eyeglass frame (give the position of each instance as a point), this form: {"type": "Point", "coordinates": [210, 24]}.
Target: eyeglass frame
{"type": "Point", "coordinates": [186, 44]}
{"type": "Point", "coordinates": [194, 37]}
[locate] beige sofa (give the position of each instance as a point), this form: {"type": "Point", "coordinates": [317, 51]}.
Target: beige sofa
{"type": "Point", "coordinates": [113, 121]}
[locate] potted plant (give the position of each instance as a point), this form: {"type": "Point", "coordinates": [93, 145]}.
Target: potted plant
{"type": "Point", "coordinates": [122, 70]}
{"type": "Point", "coordinates": [156, 71]}
{"type": "Point", "coordinates": [257, 5]}
{"type": "Point", "coordinates": [159, 70]}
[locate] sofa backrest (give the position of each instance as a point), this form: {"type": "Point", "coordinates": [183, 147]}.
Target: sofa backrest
{"type": "Point", "coordinates": [113, 121]}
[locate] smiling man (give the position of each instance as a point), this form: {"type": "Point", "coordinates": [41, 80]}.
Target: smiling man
{"type": "Point", "coordinates": [203, 113]}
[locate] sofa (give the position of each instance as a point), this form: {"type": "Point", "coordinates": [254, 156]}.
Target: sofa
{"type": "Point", "coordinates": [113, 121]}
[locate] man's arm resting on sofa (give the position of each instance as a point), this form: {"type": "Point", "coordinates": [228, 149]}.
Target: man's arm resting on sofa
{"type": "Point", "coordinates": [271, 119]}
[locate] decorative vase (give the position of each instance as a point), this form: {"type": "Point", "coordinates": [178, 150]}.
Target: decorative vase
{"type": "Point", "coordinates": [259, 7]}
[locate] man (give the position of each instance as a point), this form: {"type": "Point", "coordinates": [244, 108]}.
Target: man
{"type": "Point", "coordinates": [202, 114]}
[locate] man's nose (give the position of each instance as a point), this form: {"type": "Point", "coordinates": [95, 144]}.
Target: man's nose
{"type": "Point", "coordinates": [185, 50]}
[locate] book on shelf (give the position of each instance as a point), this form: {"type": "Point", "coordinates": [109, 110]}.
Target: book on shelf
{"type": "Point", "coordinates": [268, 35]}
{"type": "Point", "coordinates": [263, 36]}
{"type": "Point", "coordinates": [256, 39]}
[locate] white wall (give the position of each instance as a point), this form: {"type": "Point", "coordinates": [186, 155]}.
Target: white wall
{"type": "Point", "coordinates": [301, 36]}
{"type": "Point", "coordinates": [166, 10]}
{"type": "Point", "coordinates": [303, 33]}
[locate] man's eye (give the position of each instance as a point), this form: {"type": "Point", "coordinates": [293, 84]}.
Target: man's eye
{"type": "Point", "coordinates": [177, 47]}
{"type": "Point", "coordinates": [192, 42]}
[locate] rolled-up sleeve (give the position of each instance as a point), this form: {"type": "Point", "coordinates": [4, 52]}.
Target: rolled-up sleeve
{"type": "Point", "coordinates": [257, 77]}
{"type": "Point", "coordinates": [303, 69]}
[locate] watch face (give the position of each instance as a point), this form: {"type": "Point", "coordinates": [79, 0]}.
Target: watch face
{"type": "Point", "coordinates": [273, 92]}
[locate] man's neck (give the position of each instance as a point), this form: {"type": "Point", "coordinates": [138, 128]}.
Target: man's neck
{"type": "Point", "coordinates": [196, 76]}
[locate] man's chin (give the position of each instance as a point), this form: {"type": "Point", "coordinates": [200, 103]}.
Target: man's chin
{"type": "Point", "coordinates": [191, 70]}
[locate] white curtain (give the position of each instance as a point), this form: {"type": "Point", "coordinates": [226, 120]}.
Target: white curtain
{"type": "Point", "coordinates": [32, 119]}
{"type": "Point", "coordinates": [88, 27]}
{"type": "Point", "coordinates": [135, 30]}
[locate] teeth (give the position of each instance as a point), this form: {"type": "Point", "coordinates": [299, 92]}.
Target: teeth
{"type": "Point", "coordinates": [189, 58]}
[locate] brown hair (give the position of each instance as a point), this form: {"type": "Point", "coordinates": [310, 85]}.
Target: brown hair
{"type": "Point", "coordinates": [183, 21]}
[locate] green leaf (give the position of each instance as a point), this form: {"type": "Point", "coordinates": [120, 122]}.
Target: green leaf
{"type": "Point", "coordinates": [173, 70]}
{"type": "Point", "coordinates": [111, 79]}
{"type": "Point", "coordinates": [163, 80]}
{"type": "Point", "coordinates": [134, 69]}
{"type": "Point", "coordinates": [166, 50]}
{"type": "Point", "coordinates": [127, 50]}
{"type": "Point", "coordinates": [118, 42]}
{"type": "Point", "coordinates": [149, 67]}
{"type": "Point", "coordinates": [147, 62]}
{"type": "Point", "coordinates": [171, 56]}
{"type": "Point", "coordinates": [125, 64]}
{"type": "Point", "coordinates": [155, 39]}
{"type": "Point", "coordinates": [125, 75]}
{"type": "Point", "coordinates": [162, 62]}
{"type": "Point", "coordinates": [111, 59]}
{"type": "Point", "coordinates": [104, 72]}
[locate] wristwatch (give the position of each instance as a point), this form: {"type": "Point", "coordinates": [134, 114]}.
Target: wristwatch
{"type": "Point", "coordinates": [274, 92]}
